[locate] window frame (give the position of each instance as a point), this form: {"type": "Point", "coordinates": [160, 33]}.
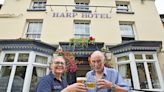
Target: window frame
{"type": "Point", "coordinates": [81, 6]}
{"type": "Point", "coordinates": [33, 33]}
{"type": "Point", "coordinates": [29, 66]}
{"type": "Point", "coordinates": [37, 5]}
{"type": "Point", "coordinates": [123, 7]}
{"type": "Point", "coordinates": [85, 24]}
{"type": "Point", "coordinates": [133, 62]}
{"type": "Point", "coordinates": [126, 38]}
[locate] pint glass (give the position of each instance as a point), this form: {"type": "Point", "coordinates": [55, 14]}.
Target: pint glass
{"type": "Point", "coordinates": [81, 79]}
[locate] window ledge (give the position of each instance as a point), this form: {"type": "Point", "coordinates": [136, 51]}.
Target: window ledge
{"type": "Point", "coordinates": [76, 10]}
{"type": "Point", "coordinates": [36, 9]}
{"type": "Point", "coordinates": [122, 12]}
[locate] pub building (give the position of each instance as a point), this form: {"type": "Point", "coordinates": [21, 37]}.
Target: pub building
{"type": "Point", "coordinates": [129, 33]}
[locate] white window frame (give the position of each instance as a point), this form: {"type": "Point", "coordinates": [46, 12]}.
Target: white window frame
{"type": "Point", "coordinates": [134, 72]}
{"type": "Point", "coordinates": [29, 67]}
{"type": "Point", "coordinates": [123, 6]}
{"type": "Point", "coordinates": [130, 25]}
{"type": "Point", "coordinates": [83, 25]}
{"type": "Point", "coordinates": [82, 5]}
{"type": "Point", "coordinates": [34, 33]}
{"type": "Point", "coordinates": [38, 4]}
{"type": "Point", "coordinates": [127, 33]}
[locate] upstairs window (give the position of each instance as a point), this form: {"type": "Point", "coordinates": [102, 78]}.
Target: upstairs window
{"type": "Point", "coordinates": [123, 7]}
{"type": "Point", "coordinates": [82, 29]}
{"type": "Point", "coordinates": [38, 5]}
{"type": "Point", "coordinates": [127, 32]}
{"type": "Point", "coordinates": [81, 6]}
{"type": "Point", "coordinates": [34, 29]}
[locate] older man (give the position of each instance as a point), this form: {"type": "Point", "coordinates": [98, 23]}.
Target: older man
{"type": "Point", "coordinates": [107, 79]}
{"type": "Point", "coordinates": [55, 81]}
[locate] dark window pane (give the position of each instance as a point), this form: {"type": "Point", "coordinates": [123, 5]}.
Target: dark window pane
{"type": "Point", "coordinates": [9, 57]}
{"type": "Point", "coordinates": [4, 77]}
{"type": "Point", "coordinates": [23, 57]}
{"type": "Point", "coordinates": [37, 74]}
{"type": "Point", "coordinates": [18, 81]}
{"type": "Point", "coordinates": [142, 76]}
{"type": "Point", "coordinates": [153, 75]}
{"type": "Point", "coordinates": [125, 72]}
{"type": "Point", "coordinates": [138, 56]}
{"type": "Point", "coordinates": [149, 57]}
{"type": "Point", "coordinates": [41, 59]}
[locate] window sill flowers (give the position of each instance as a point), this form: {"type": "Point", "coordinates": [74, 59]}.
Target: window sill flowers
{"type": "Point", "coordinates": [82, 41]}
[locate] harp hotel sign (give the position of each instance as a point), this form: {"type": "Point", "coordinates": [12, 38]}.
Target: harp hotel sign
{"type": "Point", "coordinates": [81, 15]}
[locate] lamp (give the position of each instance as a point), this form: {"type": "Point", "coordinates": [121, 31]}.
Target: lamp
{"type": "Point", "coordinates": [108, 55]}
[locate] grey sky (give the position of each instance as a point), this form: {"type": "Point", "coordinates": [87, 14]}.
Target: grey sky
{"type": "Point", "coordinates": [159, 5]}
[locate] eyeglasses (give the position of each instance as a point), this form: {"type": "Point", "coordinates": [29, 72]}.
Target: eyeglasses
{"type": "Point", "coordinates": [97, 61]}
{"type": "Point", "coordinates": [59, 63]}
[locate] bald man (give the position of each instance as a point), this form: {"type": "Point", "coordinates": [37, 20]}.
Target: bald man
{"type": "Point", "coordinates": [107, 79]}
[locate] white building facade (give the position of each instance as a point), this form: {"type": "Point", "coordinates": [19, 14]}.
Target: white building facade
{"type": "Point", "coordinates": [130, 33]}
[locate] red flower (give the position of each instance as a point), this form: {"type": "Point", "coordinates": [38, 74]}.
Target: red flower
{"type": "Point", "coordinates": [91, 38]}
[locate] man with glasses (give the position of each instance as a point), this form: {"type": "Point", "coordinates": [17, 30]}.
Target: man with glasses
{"type": "Point", "coordinates": [55, 81]}
{"type": "Point", "coordinates": [107, 79]}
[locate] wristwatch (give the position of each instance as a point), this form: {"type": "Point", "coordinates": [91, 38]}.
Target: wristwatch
{"type": "Point", "coordinates": [113, 87]}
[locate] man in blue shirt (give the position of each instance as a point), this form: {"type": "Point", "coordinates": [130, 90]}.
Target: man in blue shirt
{"type": "Point", "coordinates": [107, 79]}
{"type": "Point", "coordinates": [55, 81]}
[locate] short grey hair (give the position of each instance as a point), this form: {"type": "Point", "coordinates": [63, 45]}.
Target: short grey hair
{"type": "Point", "coordinates": [53, 58]}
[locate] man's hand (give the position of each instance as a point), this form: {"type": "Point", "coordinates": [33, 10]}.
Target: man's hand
{"type": "Point", "coordinates": [107, 84]}
{"type": "Point", "coordinates": [76, 87]}
{"type": "Point", "coordinates": [104, 84]}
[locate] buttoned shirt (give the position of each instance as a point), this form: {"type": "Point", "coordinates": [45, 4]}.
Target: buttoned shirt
{"type": "Point", "coordinates": [50, 84]}
{"type": "Point", "coordinates": [111, 75]}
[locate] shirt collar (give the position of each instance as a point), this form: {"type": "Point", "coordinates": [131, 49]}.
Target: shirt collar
{"type": "Point", "coordinates": [52, 76]}
{"type": "Point", "coordinates": [104, 71]}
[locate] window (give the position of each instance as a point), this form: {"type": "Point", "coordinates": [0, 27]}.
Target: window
{"type": "Point", "coordinates": [82, 29]}
{"type": "Point", "coordinates": [142, 76]}
{"type": "Point", "coordinates": [38, 5]}
{"type": "Point", "coordinates": [18, 81]}
{"type": "Point", "coordinates": [124, 68]}
{"type": "Point", "coordinates": [153, 75]}
{"type": "Point", "coordinates": [37, 74]}
{"type": "Point", "coordinates": [123, 7]}
{"type": "Point", "coordinates": [123, 58]}
{"type": "Point", "coordinates": [150, 57]}
{"type": "Point", "coordinates": [4, 77]}
{"type": "Point", "coordinates": [138, 56]}
{"type": "Point", "coordinates": [81, 6]}
{"type": "Point", "coordinates": [41, 59]}
{"type": "Point", "coordinates": [34, 29]}
{"type": "Point", "coordinates": [125, 71]}
{"type": "Point", "coordinates": [23, 57]}
{"type": "Point", "coordinates": [143, 65]}
{"type": "Point", "coordinates": [9, 57]}
{"type": "Point", "coordinates": [21, 68]}
{"type": "Point", "coordinates": [127, 32]}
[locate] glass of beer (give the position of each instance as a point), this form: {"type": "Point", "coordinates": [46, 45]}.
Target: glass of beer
{"type": "Point", "coordinates": [90, 85]}
{"type": "Point", "coordinates": [81, 79]}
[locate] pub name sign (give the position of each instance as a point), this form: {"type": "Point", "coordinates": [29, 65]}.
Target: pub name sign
{"type": "Point", "coordinates": [81, 15]}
